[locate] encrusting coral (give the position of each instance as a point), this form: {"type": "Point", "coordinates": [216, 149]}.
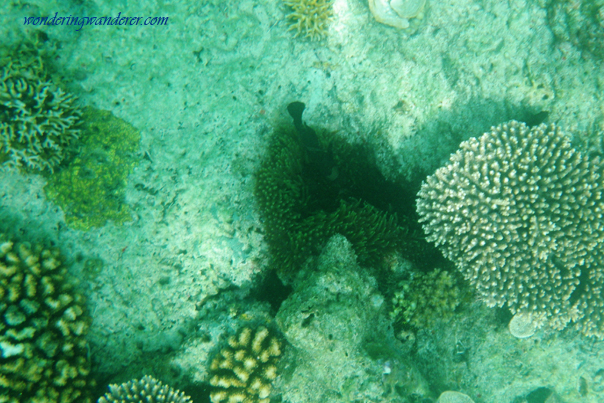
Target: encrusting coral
{"type": "Point", "coordinates": [91, 187]}
{"type": "Point", "coordinates": [520, 213]}
{"type": "Point", "coordinates": [38, 120]}
{"type": "Point", "coordinates": [244, 369]}
{"type": "Point", "coordinates": [44, 352]}
{"type": "Point", "coordinates": [146, 389]}
{"type": "Point", "coordinates": [310, 18]}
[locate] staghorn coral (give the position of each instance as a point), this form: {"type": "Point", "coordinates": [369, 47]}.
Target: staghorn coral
{"type": "Point", "coordinates": [42, 344]}
{"type": "Point", "coordinates": [520, 212]}
{"type": "Point", "coordinates": [244, 369]}
{"type": "Point", "coordinates": [310, 18]}
{"type": "Point", "coordinates": [146, 389]}
{"type": "Point", "coordinates": [38, 120]}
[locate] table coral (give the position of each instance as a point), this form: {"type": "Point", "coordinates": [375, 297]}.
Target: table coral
{"type": "Point", "coordinates": [520, 212]}
{"type": "Point", "coordinates": [310, 18]}
{"type": "Point", "coordinates": [44, 352]}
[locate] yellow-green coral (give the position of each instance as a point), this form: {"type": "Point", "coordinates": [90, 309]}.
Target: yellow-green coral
{"type": "Point", "coordinates": [310, 18]}
{"type": "Point", "coordinates": [44, 355]}
{"type": "Point", "coordinates": [425, 298]}
{"type": "Point", "coordinates": [244, 370]}
{"type": "Point", "coordinates": [91, 188]}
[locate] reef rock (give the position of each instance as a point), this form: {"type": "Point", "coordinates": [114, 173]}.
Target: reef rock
{"type": "Point", "coordinates": [335, 320]}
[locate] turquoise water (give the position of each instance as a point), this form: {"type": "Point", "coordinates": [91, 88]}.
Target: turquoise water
{"type": "Point", "coordinates": [162, 230]}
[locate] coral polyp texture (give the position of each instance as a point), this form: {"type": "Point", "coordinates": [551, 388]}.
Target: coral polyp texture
{"type": "Point", "coordinates": [146, 389]}
{"type": "Point", "coordinates": [91, 188]}
{"type": "Point", "coordinates": [244, 369]}
{"type": "Point", "coordinates": [310, 18]}
{"type": "Point", "coordinates": [38, 120]}
{"type": "Point", "coordinates": [425, 298]}
{"type": "Point", "coordinates": [44, 352]}
{"type": "Point", "coordinates": [302, 208]}
{"type": "Point", "coordinates": [519, 211]}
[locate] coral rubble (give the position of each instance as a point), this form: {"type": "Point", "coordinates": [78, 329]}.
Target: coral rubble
{"type": "Point", "coordinates": [310, 18]}
{"type": "Point", "coordinates": [44, 352]}
{"type": "Point", "coordinates": [520, 212]}
{"type": "Point", "coordinates": [580, 23]}
{"type": "Point", "coordinates": [245, 368]}
{"type": "Point", "coordinates": [146, 389]}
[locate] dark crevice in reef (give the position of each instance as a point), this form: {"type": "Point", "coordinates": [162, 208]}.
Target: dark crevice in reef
{"type": "Point", "coordinates": [272, 290]}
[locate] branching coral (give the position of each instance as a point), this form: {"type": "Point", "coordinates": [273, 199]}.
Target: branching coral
{"type": "Point", "coordinates": [44, 355]}
{"type": "Point", "coordinates": [244, 369]}
{"type": "Point", "coordinates": [521, 213]}
{"type": "Point", "coordinates": [147, 389]}
{"type": "Point", "coordinates": [38, 120]}
{"type": "Point", "coordinates": [302, 208]}
{"type": "Point", "coordinates": [310, 18]}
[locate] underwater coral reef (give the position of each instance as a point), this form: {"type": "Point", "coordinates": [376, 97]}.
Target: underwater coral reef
{"type": "Point", "coordinates": [520, 212]}
{"type": "Point", "coordinates": [39, 121]}
{"type": "Point", "coordinates": [44, 352]}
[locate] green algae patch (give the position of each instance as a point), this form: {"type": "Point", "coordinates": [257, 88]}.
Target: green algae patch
{"type": "Point", "coordinates": [90, 188]}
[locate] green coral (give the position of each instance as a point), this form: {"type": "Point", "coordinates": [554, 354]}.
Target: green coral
{"type": "Point", "coordinates": [425, 298]}
{"type": "Point", "coordinates": [310, 18]}
{"type": "Point", "coordinates": [38, 120]}
{"type": "Point", "coordinates": [302, 210]}
{"type": "Point", "coordinates": [44, 354]}
{"type": "Point", "coordinates": [91, 187]}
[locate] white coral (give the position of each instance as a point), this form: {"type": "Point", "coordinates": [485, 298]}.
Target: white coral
{"type": "Point", "coordinates": [396, 13]}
